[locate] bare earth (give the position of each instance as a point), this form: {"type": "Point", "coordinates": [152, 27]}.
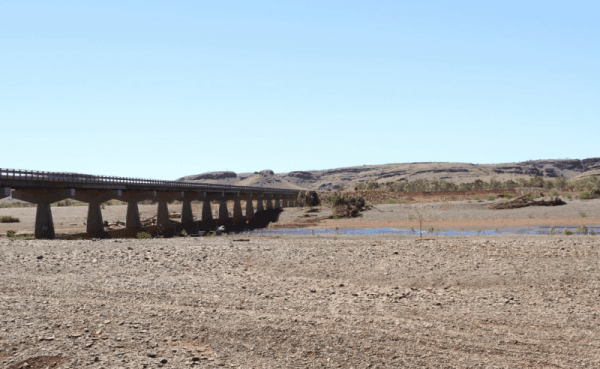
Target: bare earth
{"type": "Point", "coordinates": [306, 301]}
{"type": "Point", "coordinates": [302, 301]}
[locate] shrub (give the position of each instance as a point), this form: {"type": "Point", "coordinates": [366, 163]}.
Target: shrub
{"type": "Point", "coordinates": [372, 185]}
{"type": "Point", "coordinates": [308, 198]}
{"type": "Point", "coordinates": [508, 195]}
{"type": "Point", "coordinates": [554, 192]}
{"type": "Point", "coordinates": [345, 205]}
{"type": "Point", "coordinates": [582, 214]}
{"type": "Point", "coordinates": [567, 232]}
{"type": "Point", "coordinates": [143, 235]}
{"type": "Point", "coordinates": [360, 186]}
{"type": "Point", "coordinates": [11, 234]}
{"type": "Point", "coordinates": [491, 197]}
{"type": "Point", "coordinates": [9, 219]}
{"type": "Point", "coordinates": [582, 229]}
{"type": "Point", "coordinates": [585, 196]}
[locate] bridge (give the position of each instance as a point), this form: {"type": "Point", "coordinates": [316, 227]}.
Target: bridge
{"type": "Point", "coordinates": [45, 188]}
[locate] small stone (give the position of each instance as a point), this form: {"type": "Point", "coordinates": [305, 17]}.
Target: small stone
{"type": "Point", "coordinates": [164, 361]}
{"type": "Point", "coordinates": [151, 354]}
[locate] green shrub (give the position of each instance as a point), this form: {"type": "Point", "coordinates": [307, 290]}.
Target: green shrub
{"type": "Point", "coordinates": [582, 229]}
{"type": "Point", "coordinates": [9, 219]}
{"type": "Point", "coordinates": [491, 197]}
{"type": "Point", "coordinates": [143, 235]}
{"type": "Point", "coordinates": [582, 214]}
{"type": "Point", "coordinates": [14, 236]}
{"type": "Point", "coordinates": [585, 196]}
{"type": "Point", "coordinates": [567, 232]}
{"type": "Point", "coordinates": [554, 192]}
{"type": "Point", "coordinates": [508, 195]}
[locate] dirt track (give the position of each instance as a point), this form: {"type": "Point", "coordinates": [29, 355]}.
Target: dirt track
{"type": "Point", "coordinates": [460, 302]}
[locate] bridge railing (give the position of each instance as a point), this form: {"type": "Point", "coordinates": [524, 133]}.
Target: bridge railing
{"type": "Point", "coordinates": [109, 181]}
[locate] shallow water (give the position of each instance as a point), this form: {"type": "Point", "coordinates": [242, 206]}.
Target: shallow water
{"type": "Point", "coordinates": [530, 230]}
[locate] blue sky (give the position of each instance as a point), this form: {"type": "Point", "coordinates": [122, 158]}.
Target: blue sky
{"type": "Point", "coordinates": [159, 89]}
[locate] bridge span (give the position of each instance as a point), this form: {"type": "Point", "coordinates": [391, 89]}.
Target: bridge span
{"type": "Point", "coordinates": [45, 188]}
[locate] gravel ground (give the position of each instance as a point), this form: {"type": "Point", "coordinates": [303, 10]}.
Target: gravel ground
{"type": "Point", "coordinates": [301, 301]}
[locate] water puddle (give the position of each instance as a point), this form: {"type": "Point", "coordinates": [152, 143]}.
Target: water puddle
{"type": "Point", "coordinates": [529, 230]}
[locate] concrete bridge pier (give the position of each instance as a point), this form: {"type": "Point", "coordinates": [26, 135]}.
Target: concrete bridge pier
{"type": "Point", "coordinates": [4, 192]}
{"type": "Point", "coordinates": [239, 221]}
{"type": "Point", "coordinates": [284, 203]}
{"type": "Point", "coordinates": [249, 209]}
{"type": "Point", "coordinates": [223, 212]}
{"type": "Point", "coordinates": [162, 212]}
{"type": "Point", "coordinates": [277, 204]}
{"type": "Point", "coordinates": [269, 204]}
{"type": "Point", "coordinates": [259, 206]}
{"type": "Point", "coordinates": [133, 213]}
{"type": "Point", "coordinates": [207, 223]}
{"type": "Point", "coordinates": [224, 219]}
{"type": "Point", "coordinates": [95, 198]}
{"type": "Point", "coordinates": [206, 210]}
{"type": "Point", "coordinates": [44, 226]}
{"type": "Point", "coordinates": [187, 215]}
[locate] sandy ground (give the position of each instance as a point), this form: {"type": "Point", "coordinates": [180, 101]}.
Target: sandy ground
{"type": "Point", "coordinates": [472, 214]}
{"type": "Point", "coordinates": [440, 215]}
{"type": "Point", "coordinates": [450, 215]}
{"type": "Point", "coordinates": [71, 219]}
{"type": "Point", "coordinates": [301, 301]}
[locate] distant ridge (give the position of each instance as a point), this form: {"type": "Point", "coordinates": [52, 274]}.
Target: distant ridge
{"type": "Point", "coordinates": [452, 172]}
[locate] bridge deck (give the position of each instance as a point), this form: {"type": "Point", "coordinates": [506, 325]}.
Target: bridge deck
{"type": "Point", "coordinates": [30, 179]}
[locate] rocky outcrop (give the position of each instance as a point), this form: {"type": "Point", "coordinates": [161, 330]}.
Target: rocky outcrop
{"type": "Point", "coordinates": [215, 176]}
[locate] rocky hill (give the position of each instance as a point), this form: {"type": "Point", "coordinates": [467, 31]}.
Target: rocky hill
{"type": "Point", "coordinates": [455, 172]}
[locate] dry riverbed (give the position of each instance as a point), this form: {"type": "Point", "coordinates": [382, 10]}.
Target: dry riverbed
{"type": "Point", "coordinates": [301, 301]}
